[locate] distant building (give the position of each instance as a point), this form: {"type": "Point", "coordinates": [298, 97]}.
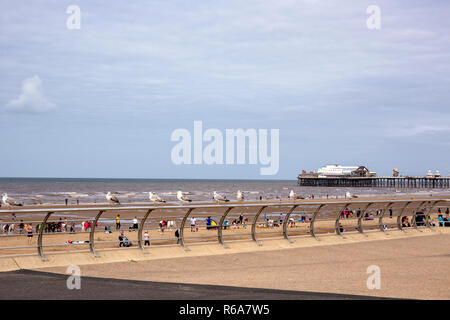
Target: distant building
{"type": "Point", "coordinates": [335, 170]}
{"type": "Point", "coordinates": [395, 173]}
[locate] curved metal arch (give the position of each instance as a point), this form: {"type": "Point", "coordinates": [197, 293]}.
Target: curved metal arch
{"type": "Point", "coordinates": [254, 226]}
{"type": "Point", "coordinates": [427, 215]}
{"type": "Point", "coordinates": [380, 220]}
{"type": "Point", "coordinates": [286, 222]}
{"type": "Point", "coordinates": [399, 223]}
{"type": "Point", "coordinates": [361, 216]}
{"type": "Point", "coordinates": [141, 228]}
{"type": "Point", "coordinates": [91, 234]}
{"type": "Point", "coordinates": [414, 222]}
{"type": "Point", "coordinates": [183, 222]}
{"type": "Point", "coordinates": [41, 233]}
{"type": "Point", "coordinates": [313, 219]}
{"type": "Point", "coordinates": [338, 217]}
{"type": "Point", "coordinates": [219, 230]}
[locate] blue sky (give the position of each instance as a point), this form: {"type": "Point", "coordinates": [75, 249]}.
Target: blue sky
{"type": "Point", "coordinates": [102, 101]}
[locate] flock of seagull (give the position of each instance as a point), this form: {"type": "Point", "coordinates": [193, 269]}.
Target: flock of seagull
{"type": "Point", "coordinates": [180, 196]}
{"type": "Point", "coordinates": [183, 198]}
{"type": "Point", "coordinates": [8, 201]}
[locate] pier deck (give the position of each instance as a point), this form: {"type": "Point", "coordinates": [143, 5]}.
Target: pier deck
{"type": "Point", "coordinates": [375, 182]}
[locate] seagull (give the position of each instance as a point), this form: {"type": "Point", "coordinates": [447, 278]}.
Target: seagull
{"type": "Point", "coordinates": [155, 198]}
{"type": "Point", "coordinates": [240, 195]}
{"type": "Point", "coordinates": [220, 197]}
{"type": "Point", "coordinates": [182, 197]}
{"type": "Point", "coordinates": [350, 195]}
{"type": "Point", "coordinates": [294, 196]}
{"type": "Point", "coordinates": [112, 199]}
{"type": "Point", "coordinates": [7, 201]}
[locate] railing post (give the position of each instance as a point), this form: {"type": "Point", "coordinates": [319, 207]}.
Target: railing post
{"type": "Point", "coordinates": [91, 234]}
{"type": "Point", "coordinates": [338, 217]}
{"type": "Point", "coordinates": [313, 219]}
{"type": "Point", "coordinates": [181, 233]}
{"type": "Point", "coordinates": [219, 230]}
{"type": "Point", "coordinates": [286, 222]}
{"type": "Point", "coordinates": [427, 215]}
{"type": "Point", "coordinates": [254, 225]}
{"type": "Point", "coordinates": [41, 233]}
{"type": "Point", "coordinates": [380, 220]}
{"type": "Point", "coordinates": [361, 216]}
{"type": "Point", "coordinates": [399, 223]}
{"type": "Point", "coordinates": [141, 227]}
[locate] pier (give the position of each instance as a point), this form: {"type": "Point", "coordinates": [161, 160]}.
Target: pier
{"type": "Point", "coordinates": [375, 182]}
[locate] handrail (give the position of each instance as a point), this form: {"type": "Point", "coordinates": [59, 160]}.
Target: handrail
{"type": "Point", "coordinates": [198, 206]}
{"type": "Point", "coordinates": [288, 207]}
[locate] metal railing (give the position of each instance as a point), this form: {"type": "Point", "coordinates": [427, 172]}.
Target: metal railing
{"type": "Point", "coordinates": [334, 212]}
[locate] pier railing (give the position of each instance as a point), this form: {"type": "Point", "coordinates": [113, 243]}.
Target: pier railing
{"type": "Point", "coordinates": [97, 228]}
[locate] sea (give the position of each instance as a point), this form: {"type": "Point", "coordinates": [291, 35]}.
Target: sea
{"type": "Point", "coordinates": [33, 191]}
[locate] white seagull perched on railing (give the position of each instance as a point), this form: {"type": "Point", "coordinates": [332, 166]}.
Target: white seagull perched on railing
{"type": "Point", "coordinates": [182, 197]}
{"type": "Point", "coordinates": [112, 199]}
{"type": "Point", "coordinates": [240, 195]}
{"type": "Point", "coordinates": [294, 196]}
{"type": "Point", "coordinates": [7, 201]}
{"type": "Point", "coordinates": [220, 197]}
{"type": "Point", "coordinates": [350, 195]}
{"type": "Point", "coordinates": [155, 198]}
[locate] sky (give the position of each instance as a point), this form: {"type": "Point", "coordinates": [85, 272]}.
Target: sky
{"type": "Point", "coordinates": [102, 101]}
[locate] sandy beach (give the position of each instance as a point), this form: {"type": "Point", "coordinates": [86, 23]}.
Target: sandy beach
{"type": "Point", "coordinates": [412, 267]}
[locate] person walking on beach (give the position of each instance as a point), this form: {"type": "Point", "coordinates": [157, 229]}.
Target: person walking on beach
{"type": "Point", "coordinates": [67, 200]}
{"type": "Point", "coordinates": [135, 224]}
{"type": "Point", "coordinates": [118, 222]}
{"type": "Point", "coordinates": [177, 234]}
{"type": "Point", "coordinates": [146, 239]}
{"type": "Point", "coordinates": [121, 236]}
{"type": "Point", "coordinates": [161, 226]}
{"type": "Point", "coordinates": [193, 224]}
{"type": "Point", "coordinates": [29, 229]}
{"type": "Point", "coordinates": [241, 218]}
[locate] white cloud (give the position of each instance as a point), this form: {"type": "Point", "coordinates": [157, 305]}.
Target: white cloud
{"type": "Point", "coordinates": [31, 98]}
